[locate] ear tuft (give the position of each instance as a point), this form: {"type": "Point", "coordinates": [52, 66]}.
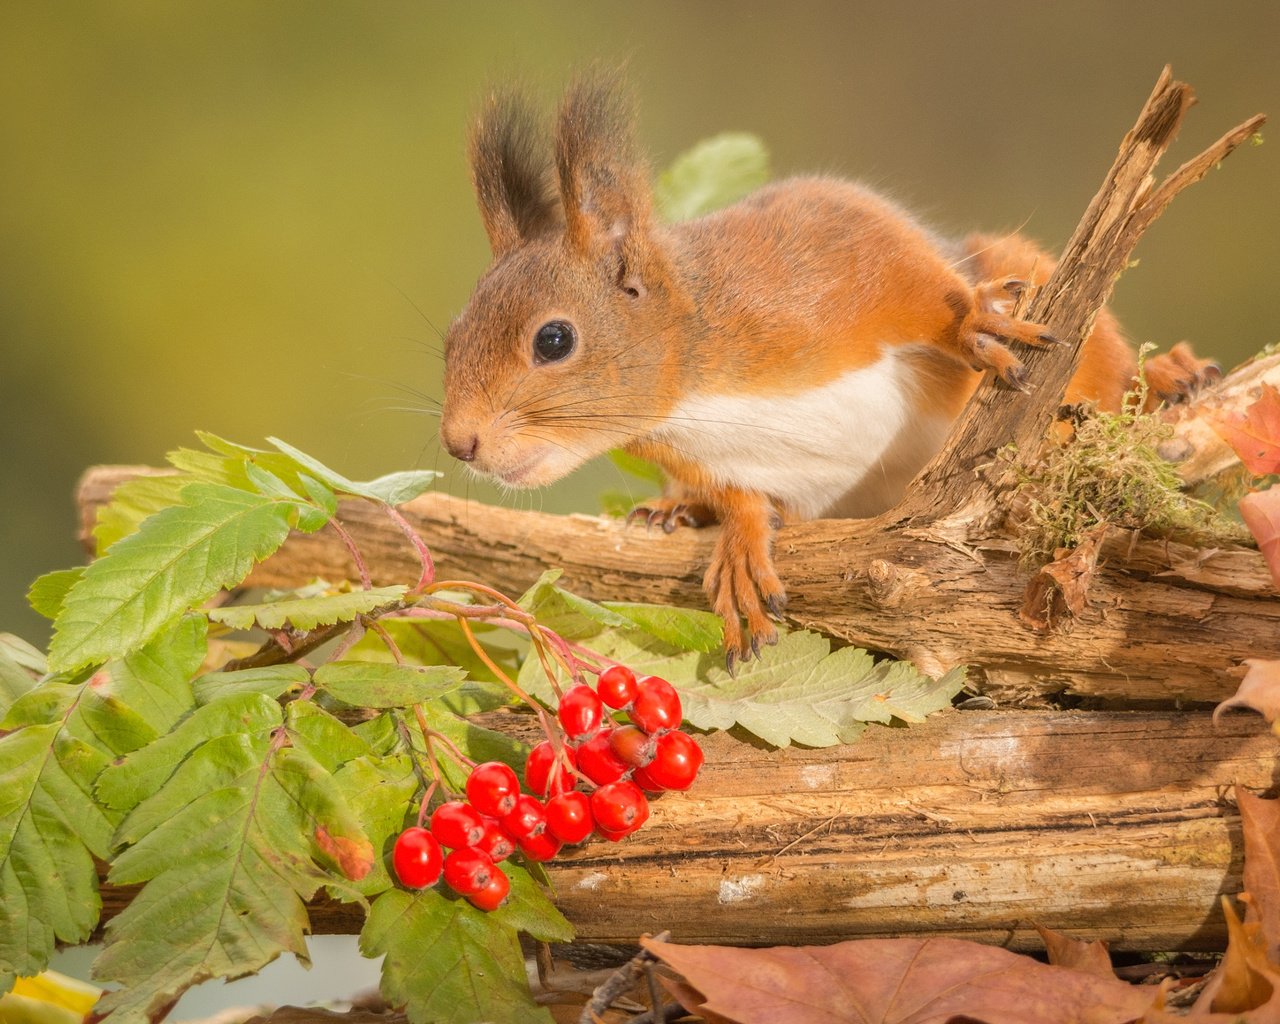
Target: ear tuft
{"type": "Point", "coordinates": [511, 172]}
{"type": "Point", "coordinates": [604, 186]}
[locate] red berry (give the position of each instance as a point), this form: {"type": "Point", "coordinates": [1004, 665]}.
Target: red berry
{"type": "Point", "coordinates": [645, 781]}
{"type": "Point", "coordinates": [675, 763]}
{"type": "Point", "coordinates": [468, 870]}
{"type": "Point", "coordinates": [492, 895]}
{"type": "Point", "coordinates": [542, 846]}
{"type": "Point", "coordinates": [657, 705]}
{"type": "Point", "coordinates": [569, 817]}
{"type": "Point", "coordinates": [492, 788]}
{"type": "Point", "coordinates": [619, 806]}
{"type": "Point", "coordinates": [416, 858]}
{"type": "Point", "coordinates": [617, 686]}
{"type": "Point", "coordinates": [615, 837]}
{"type": "Point", "coordinates": [526, 819]}
{"type": "Point", "coordinates": [457, 824]}
{"type": "Point", "coordinates": [541, 765]}
{"type": "Point", "coordinates": [580, 711]}
{"type": "Point", "coordinates": [495, 841]}
{"type": "Point", "coordinates": [632, 745]}
{"type": "Point", "coordinates": [598, 762]}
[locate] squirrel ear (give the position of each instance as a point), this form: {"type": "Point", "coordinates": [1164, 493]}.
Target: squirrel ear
{"type": "Point", "coordinates": [512, 173]}
{"type": "Point", "coordinates": [603, 186]}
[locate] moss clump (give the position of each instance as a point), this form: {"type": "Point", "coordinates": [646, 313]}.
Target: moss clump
{"type": "Point", "coordinates": [1111, 472]}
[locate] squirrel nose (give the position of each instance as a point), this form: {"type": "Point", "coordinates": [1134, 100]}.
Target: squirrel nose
{"type": "Point", "coordinates": [464, 448]}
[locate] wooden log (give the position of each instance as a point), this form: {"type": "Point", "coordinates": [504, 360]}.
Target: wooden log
{"type": "Point", "coordinates": [973, 825]}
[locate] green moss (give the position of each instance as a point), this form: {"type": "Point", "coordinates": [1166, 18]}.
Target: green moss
{"type": "Point", "coordinates": [1112, 472]}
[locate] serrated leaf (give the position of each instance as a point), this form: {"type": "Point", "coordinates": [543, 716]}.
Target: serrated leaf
{"type": "Point", "coordinates": [566, 613]}
{"type": "Point", "coordinates": [714, 173]}
{"type": "Point", "coordinates": [441, 642]}
{"type": "Point", "coordinates": [19, 670]}
{"type": "Point", "coordinates": [49, 591]}
{"type": "Point", "coordinates": [475, 971]}
{"type": "Point", "coordinates": [271, 681]}
{"type": "Point", "coordinates": [227, 850]}
{"type": "Point", "coordinates": [132, 502]}
{"type": "Point", "coordinates": [397, 488]}
{"type": "Point", "coordinates": [528, 909]}
{"type": "Point", "coordinates": [479, 743]}
{"type": "Point", "coordinates": [797, 692]}
{"type": "Point", "coordinates": [382, 791]}
{"type": "Point", "coordinates": [686, 628]}
{"type": "Point", "coordinates": [321, 735]}
{"type": "Point", "coordinates": [308, 612]}
{"type": "Point", "coordinates": [368, 684]}
{"type": "Point", "coordinates": [329, 477]}
{"type": "Point", "coordinates": [177, 559]}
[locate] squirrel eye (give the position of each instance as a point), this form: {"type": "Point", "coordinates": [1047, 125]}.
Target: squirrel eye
{"type": "Point", "coordinates": [553, 341]}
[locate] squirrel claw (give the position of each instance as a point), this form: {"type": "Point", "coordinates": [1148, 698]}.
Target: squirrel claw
{"type": "Point", "coordinates": [670, 514]}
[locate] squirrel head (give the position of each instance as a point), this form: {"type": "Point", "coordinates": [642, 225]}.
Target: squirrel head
{"type": "Point", "coordinates": [565, 349]}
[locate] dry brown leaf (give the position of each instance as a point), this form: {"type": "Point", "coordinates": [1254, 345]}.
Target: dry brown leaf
{"type": "Point", "coordinates": [1061, 588]}
{"type": "Point", "coordinates": [1088, 957]}
{"type": "Point", "coordinates": [1254, 434]}
{"type": "Point", "coordinates": [1261, 513]}
{"type": "Point", "coordinates": [1260, 822]}
{"type": "Point", "coordinates": [1258, 691]}
{"type": "Point", "coordinates": [1245, 980]}
{"type": "Point", "coordinates": [897, 981]}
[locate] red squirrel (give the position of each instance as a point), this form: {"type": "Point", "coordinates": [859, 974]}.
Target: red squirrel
{"type": "Point", "coordinates": [801, 353]}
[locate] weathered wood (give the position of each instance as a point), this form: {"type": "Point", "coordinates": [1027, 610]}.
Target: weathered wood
{"type": "Point", "coordinates": [973, 825]}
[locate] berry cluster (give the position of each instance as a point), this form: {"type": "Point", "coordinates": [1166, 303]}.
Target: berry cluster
{"type": "Point", "coordinates": [614, 765]}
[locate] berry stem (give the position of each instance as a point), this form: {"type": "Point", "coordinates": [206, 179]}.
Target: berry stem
{"type": "Point", "coordinates": [428, 734]}
{"type": "Point", "coordinates": [387, 640]}
{"type": "Point", "coordinates": [353, 551]}
{"type": "Point", "coordinates": [427, 794]}
{"type": "Point", "coordinates": [419, 545]}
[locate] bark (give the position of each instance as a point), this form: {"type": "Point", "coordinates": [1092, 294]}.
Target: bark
{"type": "Point", "coordinates": [972, 825]}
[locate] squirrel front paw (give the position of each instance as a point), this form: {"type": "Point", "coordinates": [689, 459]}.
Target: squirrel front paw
{"type": "Point", "coordinates": [672, 513]}
{"type": "Point", "coordinates": [741, 584]}
{"type": "Point", "coordinates": [980, 332]}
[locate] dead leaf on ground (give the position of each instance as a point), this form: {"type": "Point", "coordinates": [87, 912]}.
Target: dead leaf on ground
{"type": "Point", "coordinates": [1254, 434]}
{"type": "Point", "coordinates": [1260, 822]}
{"type": "Point", "coordinates": [897, 981]}
{"type": "Point", "coordinates": [1246, 979]}
{"type": "Point", "coordinates": [1061, 589]}
{"type": "Point", "coordinates": [1261, 513]}
{"type": "Point", "coordinates": [1088, 957]}
{"type": "Point", "coordinates": [1258, 691]}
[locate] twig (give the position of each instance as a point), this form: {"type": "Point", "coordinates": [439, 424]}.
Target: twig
{"type": "Point", "coordinates": [620, 981]}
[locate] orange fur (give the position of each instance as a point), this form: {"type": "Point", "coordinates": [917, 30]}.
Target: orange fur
{"type": "Point", "coordinates": [752, 353]}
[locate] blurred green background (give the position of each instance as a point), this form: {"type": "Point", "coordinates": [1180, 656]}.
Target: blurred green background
{"type": "Point", "coordinates": [245, 217]}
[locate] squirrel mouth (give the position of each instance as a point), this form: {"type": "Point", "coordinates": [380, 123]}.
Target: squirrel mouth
{"type": "Point", "coordinates": [518, 475]}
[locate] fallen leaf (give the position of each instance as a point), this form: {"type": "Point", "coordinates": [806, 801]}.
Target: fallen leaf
{"type": "Point", "coordinates": [1245, 980]}
{"type": "Point", "coordinates": [1088, 957]}
{"type": "Point", "coordinates": [897, 981]}
{"type": "Point", "coordinates": [1261, 513]}
{"type": "Point", "coordinates": [1258, 691]}
{"type": "Point", "coordinates": [1254, 434]}
{"type": "Point", "coordinates": [1260, 823]}
{"type": "Point", "coordinates": [1061, 589]}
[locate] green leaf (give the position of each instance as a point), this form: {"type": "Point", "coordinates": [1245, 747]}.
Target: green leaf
{"type": "Point", "coordinates": [714, 173]}
{"type": "Point", "coordinates": [442, 642]}
{"type": "Point", "coordinates": [309, 612]}
{"type": "Point", "coordinates": [271, 681]}
{"type": "Point", "coordinates": [331, 478]}
{"type": "Point", "coordinates": [397, 488]}
{"type": "Point", "coordinates": [324, 737]}
{"type": "Point", "coordinates": [177, 559]}
{"type": "Point", "coordinates": [368, 684]}
{"type": "Point", "coordinates": [21, 667]}
{"type": "Point", "coordinates": [797, 692]}
{"type": "Point", "coordinates": [229, 848]}
{"type": "Point", "coordinates": [636, 466]}
{"type": "Point", "coordinates": [47, 594]}
{"type": "Point", "coordinates": [475, 970]}
{"type": "Point", "coordinates": [528, 909]}
{"type": "Point", "coordinates": [132, 502]}
{"type": "Point", "coordinates": [383, 792]}
{"type": "Point", "coordinates": [479, 743]}
{"type": "Point", "coordinates": [686, 628]}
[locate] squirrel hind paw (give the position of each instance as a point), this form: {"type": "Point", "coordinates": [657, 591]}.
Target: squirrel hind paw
{"type": "Point", "coordinates": [1177, 376]}
{"type": "Point", "coordinates": [745, 588]}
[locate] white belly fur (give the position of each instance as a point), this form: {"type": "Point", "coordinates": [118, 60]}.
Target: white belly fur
{"type": "Point", "coordinates": [847, 449]}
